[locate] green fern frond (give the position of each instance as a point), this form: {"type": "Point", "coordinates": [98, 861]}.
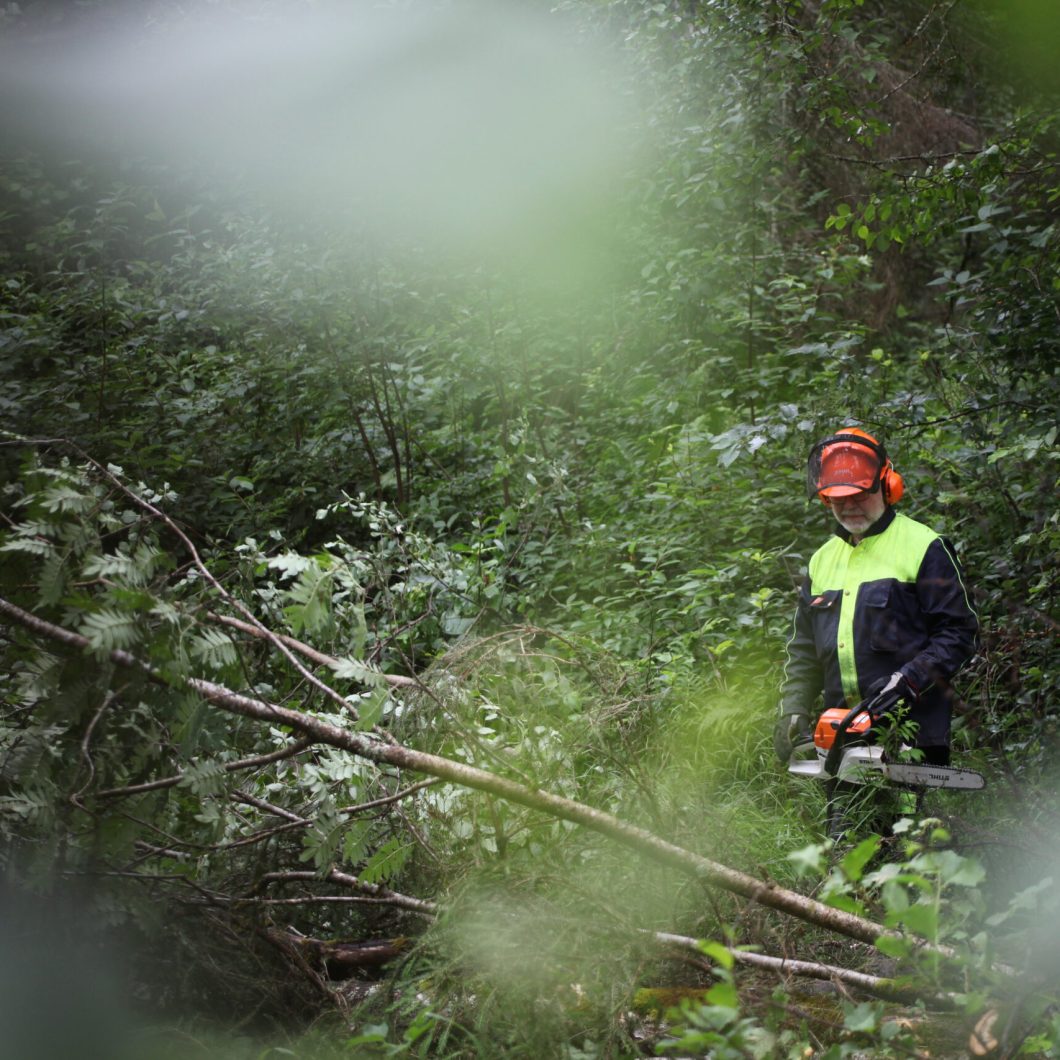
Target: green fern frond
{"type": "Point", "coordinates": [148, 558]}
{"type": "Point", "coordinates": [65, 499]}
{"type": "Point", "coordinates": [214, 648]}
{"type": "Point", "coordinates": [310, 601]}
{"type": "Point", "coordinates": [204, 778]}
{"type": "Point", "coordinates": [32, 545]}
{"type": "Point", "coordinates": [322, 842]}
{"type": "Point", "coordinates": [134, 569]}
{"type": "Point", "coordinates": [386, 862]}
{"type": "Point", "coordinates": [108, 630]}
{"type": "Point", "coordinates": [116, 565]}
{"type": "Point", "coordinates": [47, 529]}
{"type": "Point", "coordinates": [166, 611]}
{"type": "Point", "coordinates": [347, 669]}
{"type": "Point", "coordinates": [53, 579]}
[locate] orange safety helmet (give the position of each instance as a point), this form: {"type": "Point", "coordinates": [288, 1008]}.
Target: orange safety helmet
{"type": "Point", "coordinates": [848, 462]}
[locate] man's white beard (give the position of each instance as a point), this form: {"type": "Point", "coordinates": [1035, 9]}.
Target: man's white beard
{"type": "Point", "coordinates": [856, 525]}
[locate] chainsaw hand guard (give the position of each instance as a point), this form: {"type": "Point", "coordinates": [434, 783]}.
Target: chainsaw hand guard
{"type": "Point", "coordinates": [888, 694]}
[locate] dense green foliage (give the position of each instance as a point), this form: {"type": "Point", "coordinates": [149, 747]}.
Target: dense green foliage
{"type": "Point", "coordinates": [562, 489]}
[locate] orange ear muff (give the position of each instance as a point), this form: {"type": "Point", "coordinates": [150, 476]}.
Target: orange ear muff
{"type": "Point", "coordinates": [892, 484]}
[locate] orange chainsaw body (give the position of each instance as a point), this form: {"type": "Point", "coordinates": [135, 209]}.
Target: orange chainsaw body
{"type": "Point", "coordinates": [828, 722]}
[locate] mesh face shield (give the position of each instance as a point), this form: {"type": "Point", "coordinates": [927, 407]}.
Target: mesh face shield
{"type": "Point", "coordinates": [843, 465]}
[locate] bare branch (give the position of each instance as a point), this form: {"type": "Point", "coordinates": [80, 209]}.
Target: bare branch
{"type": "Point", "coordinates": [294, 822]}
{"type": "Point", "coordinates": [929, 57]}
{"type": "Point", "coordinates": [397, 680]}
{"type": "Point", "coordinates": [268, 807]}
{"type": "Point", "coordinates": [387, 800]}
{"type": "Point", "coordinates": [372, 890]}
{"type": "Point", "coordinates": [878, 986]}
{"type": "Point", "coordinates": [317, 899]}
{"type": "Point", "coordinates": [86, 742]}
{"type": "Point", "coordinates": [231, 767]}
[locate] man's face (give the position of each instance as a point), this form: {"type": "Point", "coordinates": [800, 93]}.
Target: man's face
{"type": "Point", "coordinates": [857, 513]}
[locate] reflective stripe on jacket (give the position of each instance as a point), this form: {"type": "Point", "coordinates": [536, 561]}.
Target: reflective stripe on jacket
{"type": "Point", "coordinates": [896, 601]}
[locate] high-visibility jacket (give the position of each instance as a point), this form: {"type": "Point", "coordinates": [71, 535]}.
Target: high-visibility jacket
{"type": "Point", "coordinates": [897, 601]}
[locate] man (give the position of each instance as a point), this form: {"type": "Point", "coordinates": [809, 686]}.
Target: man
{"type": "Point", "coordinates": [884, 607]}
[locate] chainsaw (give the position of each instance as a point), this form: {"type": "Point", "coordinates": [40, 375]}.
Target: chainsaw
{"type": "Point", "coordinates": [841, 751]}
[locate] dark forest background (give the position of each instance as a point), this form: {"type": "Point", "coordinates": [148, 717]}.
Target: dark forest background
{"type": "Point", "coordinates": [478, 351]}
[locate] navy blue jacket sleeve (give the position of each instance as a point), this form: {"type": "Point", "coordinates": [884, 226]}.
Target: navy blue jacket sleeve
{"type": "Point", "coordinates": [803, 676]}
{"type": "Point", "coordinates": [952, 624]}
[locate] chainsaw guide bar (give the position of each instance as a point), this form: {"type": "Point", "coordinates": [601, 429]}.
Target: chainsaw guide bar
{"type": "Point", "coordinates": [858, 762]}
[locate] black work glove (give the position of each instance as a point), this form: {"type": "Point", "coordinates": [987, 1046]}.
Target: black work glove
{"type": "Point", "coordinates": [791, 729]}
{"type": "Point", "coordinates": [885, 695]}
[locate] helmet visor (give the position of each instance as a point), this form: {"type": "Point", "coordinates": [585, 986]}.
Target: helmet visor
{"type": "Point", "coordinates": [842, 466]}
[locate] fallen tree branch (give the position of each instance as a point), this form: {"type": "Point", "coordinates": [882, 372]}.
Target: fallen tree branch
{"type": "Point", "coordinates": [368, 893]}
{"type": "Point", "coordinates": [339, 958]}
{"type": "Point", "coordinates": [294, 822]}
{"type": "Point", "coordinates": [231, 767]}
{"type": "Point", "coordinates": [267, 807]}
{"type": "Point", "coordinates": [372, 890]}
{"type": "Point", "coordinates": [316, 899]}
{"type": "Point", "coordinates": [878, 986]}
{"type": "Point", "coordinates": [387, 800]}
{"type": "Point", "coordinates": [86, 743]}
{"type": "Point", "coordinates": [397, 680]}
{"type": "Point", "coordinates": [646, 843]}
